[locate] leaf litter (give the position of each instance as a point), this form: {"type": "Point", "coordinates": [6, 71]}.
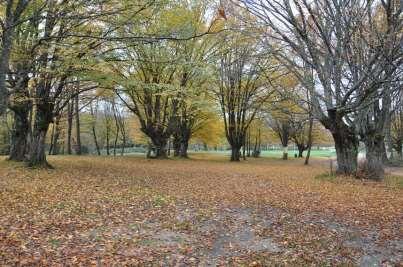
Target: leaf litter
{"type": "Point", "coordinates": [104, 211]}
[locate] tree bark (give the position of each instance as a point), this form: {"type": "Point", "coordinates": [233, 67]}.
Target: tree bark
{"type": "Point", "coordinates": [384, 153]}
{"type": "Point", "coordinates": [248, 143]}
{"type": "Point", "coordinates": [374, 146]}
{"type": "Point", "coordinates": [285, 152]}
{"type": "Point", "coordinates": [19, 135]}
{"type": "Point", "coordinates": [43, 117]}
{"type": "Point", "coordinates": [107, 140]}
{"type": "Point", "coordinates": [301, 149]}
{"type": "Point", "coordinates": [160, 150]}
{"type": "Point", "coordinates": [69, 126]}
{"type": "Point", "coordinates": [94, 134]}
{"type": "Point", "coordinates": [346, 145]}
{"type": "Point", "coordinates": [235, 153]}
{"type": "Point", "coordinates": [55, 141]}
{"type": "Point", "coordinates": [54, 146]}
{"type": "Point", "coordinates": [78, 131]}
{"type": "Point", "coordinates": [176, 143]}
{"type": "Point", "coordinates": [184, 148]}
{"type": "Point", "coordinates": [21, 107]}
{"type": "Point", "coordinates": [308, 153]}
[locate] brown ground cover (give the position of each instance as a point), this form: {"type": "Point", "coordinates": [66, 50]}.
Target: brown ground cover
{"type": "Point", "coordinates": [199, 212]}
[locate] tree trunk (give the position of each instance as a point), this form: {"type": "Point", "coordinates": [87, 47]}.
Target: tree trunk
{"type": "Point", "coordinates": [78, 132]}
{"type": "Point", "coordinates": [249, 143]}
{"type": "Point", "coordinates": [52, 136]}
{"type": "Point", "coordinates": [346, 145]}
{"type": "Point", "coordinates": [69, 126]}
{"type": "Point", "coordinates": [122, 151]}
{"type": "Point", "coordinates": [235, 153]}
{"type": "Point", "coordinates": [285, 152]}
{"type": "Point", "coordinates": [244, 150]}
{"type": "Point", "coordinates": [301, 149]}
{"type": "Point", "coordinates": [107, 141]}
{"type": "Point", "coordinates": [94, 132]}
{"type": "Point", "coordinates": [43, 117]}
{"type": "Point", "coordinates": [374, 146]}
{"type": "Point", "coordinates": [19, 135]}
{"type": "Point", "coordinates": [184, 148]}
{"type": "Point", "coordinates": [160, 145]}
{"type": "Point", "coordinates": [388, 138]}
{"type": "Point", "coordinates": [176, 143]}
{"type": "Point", "coordinates": [55, 142]}
{"type": "Point", "coordinates": [256, 149]}
{"type": "Point", "coordinates": [55, 147]}
{"type": "Point", "coordinates": [384, 153]}
{"type": "Point", "coordinates": [399, 150]}
{"type": "Point", "coordinates": [6, 44]}
{"type": "Point", "coordinates": [308, 153]}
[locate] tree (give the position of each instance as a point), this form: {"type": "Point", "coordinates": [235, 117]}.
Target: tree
{"type": "Point", "coordinates": [13, 16]}
{"type": "Point", "coordinates": [242, 88]}
{"type": "Point", "coordinates": [397, 131]}
{"type": "Point", "coordinates": [195, 60]}
{"type": "Point", "coordinates": [350, 65]}
{"type": "Point", "coordinates": [154, 79]}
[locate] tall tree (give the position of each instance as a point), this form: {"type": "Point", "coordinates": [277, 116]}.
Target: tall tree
{"type": "Point", "coordinates": [242, 88]}
{"type": "Point", "coordinates": [328, 36]}
{"type": "Point", "coordinates": [13, 16]}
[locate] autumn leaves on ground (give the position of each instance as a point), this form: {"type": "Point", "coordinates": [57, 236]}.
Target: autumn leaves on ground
{"type": "Point", "coordinates": [198, 212]}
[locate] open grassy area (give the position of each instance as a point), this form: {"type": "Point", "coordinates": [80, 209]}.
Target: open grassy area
{"type": "Point", "coordinates": [325, 153]}
{"type": "Point", "coordinates": [199, 212]}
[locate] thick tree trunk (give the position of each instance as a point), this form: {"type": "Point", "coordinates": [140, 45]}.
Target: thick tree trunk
{"type": "Point", "coordinates": [285, 152]}
{"type": "Point", "coordinates": [374, 168]}
{"type": "Point", "coordinates": [301, 149]}
{"type": "Point", "coordinates": [21, 108]}
{"type": "Point", "coordinates": [346, 145]}
{"type": "Point", "coordinates": [176, 143]}
{"type": "Point", "coordinates": [160, 149]}
{"type": "Point", "coordinates": [184, 149]}
{"type": "Point", "coordinates": [235, 153]}
{"type": "Point", "coordinates": [6, 44]}
{"type": "Point", "coordinates": [19, 135]}
{"type": "Point", "coordinates": [37, 155]}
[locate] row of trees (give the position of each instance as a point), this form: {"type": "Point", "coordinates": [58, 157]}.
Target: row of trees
{"type": "Point", "coordinates": [354, 50]}
{"type": "Point", "coordinates": [175, 65]}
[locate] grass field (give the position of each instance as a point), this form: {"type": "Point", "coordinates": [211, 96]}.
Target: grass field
{"type": "Point", "coordinates": [204, 211]}
{"type": "Point", "coordinates": [325, 153]}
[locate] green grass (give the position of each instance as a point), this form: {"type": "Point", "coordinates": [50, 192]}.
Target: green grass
{"type": "Point", "coordinates": [394, 181]}
{"type": "Point", "coordinates": [279, 153]}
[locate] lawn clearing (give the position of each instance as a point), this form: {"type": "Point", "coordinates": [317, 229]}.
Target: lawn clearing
{"type": "Point", "coordinates": [202, 212]}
